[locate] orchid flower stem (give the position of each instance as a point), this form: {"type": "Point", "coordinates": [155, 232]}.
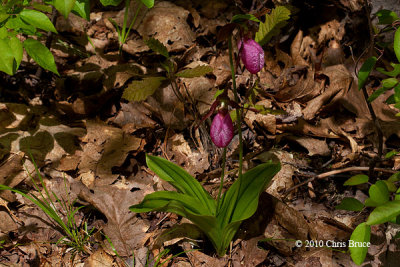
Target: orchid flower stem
{"type": "Point", "coordinates": [239, 125]}
{"type": "Point", "coordinates": [221, 185]}
{"type": "Point", "coordinates": [238, 111]}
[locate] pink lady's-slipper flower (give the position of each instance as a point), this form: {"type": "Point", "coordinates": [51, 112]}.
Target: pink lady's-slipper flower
{"type": "Point", "coordinates": [222, 129]}
{"type": "Point", "coordinates": [252, 55]}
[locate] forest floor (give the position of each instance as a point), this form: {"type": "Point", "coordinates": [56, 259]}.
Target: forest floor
{"type": "Point", "coordinates": [90, 144]}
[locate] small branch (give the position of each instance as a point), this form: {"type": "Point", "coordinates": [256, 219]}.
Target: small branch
{"type": "Point", "coordinates": [330, 173]}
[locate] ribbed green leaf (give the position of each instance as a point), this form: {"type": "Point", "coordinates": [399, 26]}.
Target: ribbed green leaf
{"type": "Point", "coordinates": [181, 180]}
{"type": "Point", "coordinates": [272, 25]}
{"type": "Point", "coordinates": [40, 54]}
{"type": "Point", "coordinates": [386, 16]}
{"type": "Point", "coordinates": [243, 203]}
{"type": "Point", "coordinates": [140, 90]}
{"type": "Point", "coordinates": [195, 72]}
{"type": "Point", "coordinates": [362, 233]}
{"type": "Point", "coordinates": [37, 19]}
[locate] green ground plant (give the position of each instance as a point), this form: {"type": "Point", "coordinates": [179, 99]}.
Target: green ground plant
{"type": "Point", "coordinates": [75, 236]}
{"type": "Point", "coordinates": [384, 195]}
{"type": "Point", "coordinates": [219, 218]}
{"type": "Point", "coordinates": [124, 31]}
{"type": "Point", "coordinates": [29, 18]}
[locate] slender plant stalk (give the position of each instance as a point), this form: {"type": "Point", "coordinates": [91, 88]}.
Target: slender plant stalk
{"type": "Point", "coordinates": [239, 125]}
{"type": "Point", "coordinates": [238, 111]}
{"type": "Point", "coordinates": [221, 185]}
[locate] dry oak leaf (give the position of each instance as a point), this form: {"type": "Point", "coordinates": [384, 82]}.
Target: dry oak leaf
{"type": "Point", "coordinates": [166, 22]}
{"type": "Point", "coordinates": [126, 231]}
{"type": "Point", "coordinates": [105, 148]}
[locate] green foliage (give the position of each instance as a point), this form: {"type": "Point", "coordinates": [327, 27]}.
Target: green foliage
{"type": "Point", "coordinates": [365, 70]}
{"type": "Point", "coordinates": [191, 201]}
{"type": "Point", "coordinates": [64, 6]}
{"type": "Point", "coordinates": [240, 18]}
{"type": "Point", "coordinates": [357, 179]}
{"type": "Point", "coordinates": [272, 25]}
{"type": "Point", "coordinates": [384, 212]}
{"type": "Point", "coordinates": [195, 72]}
{"type": "Point", "coordinates": [40, 54]}
{"type": "Point", "coordinates": [362, 233]}
{"type": "Point", "coordinates": [396, 44]}
{"type": "Point", "coordinates": [29, 18]}
{"type": "Point", "coordinates": [76, 237]}
{"type": "Point", "coordinates": [386, 16]}
{"type": "Point", "coordinates": [140, 90]}
{"type": "Point", "coordinates": [351, 204]}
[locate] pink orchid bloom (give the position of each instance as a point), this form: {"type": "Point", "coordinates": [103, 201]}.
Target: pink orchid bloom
{"type": "Point", "coordinates": [252, 55]}
{"type": "Point", "coordinates": [222, 129]}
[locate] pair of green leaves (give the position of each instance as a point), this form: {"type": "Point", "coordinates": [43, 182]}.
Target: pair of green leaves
{"type": "Point", "coordinates": [139, 90]}
{"type": "Point", "coordinates": [386, 210]}
{"type": "Point", "coordinates": [193, 202]}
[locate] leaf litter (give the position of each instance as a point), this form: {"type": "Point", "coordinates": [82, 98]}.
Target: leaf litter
{"type": "Point", "coordinates": [95, 141]}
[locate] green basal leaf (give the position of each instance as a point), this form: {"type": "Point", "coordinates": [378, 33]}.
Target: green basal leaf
{"type": "Point", "coordinates": [395, 177]}
{"type": "Point", "coordinates": [64, 6]}
{"type": "Point", "coordinates": [195, 72]}
{"type": "Point", "coordinates": [365, 70]}
{"type": "Point", "coordinates": [240, 18]}
{"type": "Point", "coordinates": [6, 57]}
{"type": "Point", "coordinates": [379, 192]}
{"type": "Point", "coordinates": [140, 90]}
{"type": "Point", "coordinates": [157, 46]}
{"type": "Point", "coordinates": [351, 204]}
{"type": "Point", "coordinates": [272, 25]}
{"type": "Point", "coordinates": [384, 213]}
{"type": "Point", "coordinates": [40, 54]}
{"type": "Point", "coordinates": [37, 19]}
{"type": "Point", "coordinates": [110, 2]}
{"type": "Point", "coordinates": [82, 9]}
{"type": "Point", "coordinates": [357, 179]}
{"type": "Point", "coordinates": [386, 16]}
{"type": "Point", "coordinates": [181, 180]}
{"type": "Point", "coordinates": [396, 44]}
{"type": "Point", "coordinates": [240, 203]}
{"type": "Point", "coordinates": [393, 73]}
{"type": "Point", "coordinates": [159, 201]}
{"type": "Point", "coordinates": [396, 94]}
{"type": "Point", "coordinates": [362, 234]}
{"type": "Point", "coordinates": [148, 3]}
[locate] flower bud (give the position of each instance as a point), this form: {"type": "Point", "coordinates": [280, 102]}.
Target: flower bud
{"type": "Point", "coordinates": [252, 55]}
{"type": "Point", "coordinates": [222, 129]}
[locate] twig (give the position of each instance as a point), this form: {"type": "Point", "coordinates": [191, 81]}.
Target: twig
{"type": "Point", "coordinates": [330, 173]}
